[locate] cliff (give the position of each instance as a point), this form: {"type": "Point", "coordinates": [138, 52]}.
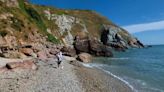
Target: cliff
{"type": "Point", "coordinates": [23, 24]}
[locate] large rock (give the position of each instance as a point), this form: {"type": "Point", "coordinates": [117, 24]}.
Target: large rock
{"type": "Point", "coordinates": [29, 64]}
{"type": "Point", "coordinates": [92, 46]}
{"type": "Point", "coordinates": [42, 55]}
{"type": "Point", "coordinates": [85, 57]}
{"type": "Point", "coordinates": [27, 51]}
{"type": "Point", "coordinates": [13, 54]}
{"type": "Point", "coordinates": [69, 51]}
{"type": "Point", "coordinates": [81, 45]}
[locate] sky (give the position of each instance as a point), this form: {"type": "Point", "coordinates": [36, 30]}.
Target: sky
{"type": "Point", "coordinates": [143, 18]}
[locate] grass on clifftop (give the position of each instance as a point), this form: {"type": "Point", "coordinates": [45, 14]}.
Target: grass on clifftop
{"type": "Point", "coordinates": [34, 16]}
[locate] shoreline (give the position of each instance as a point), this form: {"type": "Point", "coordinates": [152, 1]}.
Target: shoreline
{"type": "Point", "coordinates": [97, 80]}
{"type": "Point", "coordinates": [74, 77]}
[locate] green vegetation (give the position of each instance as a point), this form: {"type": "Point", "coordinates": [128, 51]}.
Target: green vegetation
{"type": "Point", "coordinates": [17, 24]}
{"type": "Point", "coordinates": [51, 38]}
{"type": "Point", "coordinates": [28, 18]}
{"type": "Point", "coordinates": [34, 16]}
{"type": "Point", "coordinates": [61, 13]}
{"type": "Point", "coordinates": [22, 5]}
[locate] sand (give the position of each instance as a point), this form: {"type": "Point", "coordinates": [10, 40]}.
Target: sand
{"type": "Point", "coordinates": [49, 78]}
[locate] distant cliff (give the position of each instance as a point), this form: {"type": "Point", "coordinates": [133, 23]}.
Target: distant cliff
{"type": "Point", "coordinates": [23, 23]}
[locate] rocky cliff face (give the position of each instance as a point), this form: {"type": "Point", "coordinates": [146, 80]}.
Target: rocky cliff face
{"type": "Point", "coordinates": [22, 23]}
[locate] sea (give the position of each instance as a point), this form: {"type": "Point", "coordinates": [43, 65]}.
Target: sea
{"type": "Point", "coordinates": [141, 69]}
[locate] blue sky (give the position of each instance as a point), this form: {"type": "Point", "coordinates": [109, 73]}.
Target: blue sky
{"type": "Point", "coordinates": [137, 16]}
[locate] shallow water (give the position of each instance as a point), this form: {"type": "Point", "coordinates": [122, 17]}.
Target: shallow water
{"type": "Point", "coordinates": [141, 68]}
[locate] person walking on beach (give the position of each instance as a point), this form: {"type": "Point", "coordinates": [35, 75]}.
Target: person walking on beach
{"type": "Point", "coordinates": [59, 57]}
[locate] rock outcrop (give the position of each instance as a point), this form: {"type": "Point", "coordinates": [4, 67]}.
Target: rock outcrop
{"type": "Point", "coordinates": [65, 24]}
{"type": "Point", "coordinates": [118, 38]}
{"type": "Point", "coordinates": [92, 46]}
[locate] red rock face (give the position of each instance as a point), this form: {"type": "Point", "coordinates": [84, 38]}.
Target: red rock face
{"type": "Point", "coordinates": [29, 64]}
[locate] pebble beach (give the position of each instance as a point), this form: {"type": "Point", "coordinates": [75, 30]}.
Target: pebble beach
{"type": "Point", "coordinates": [68, 78]}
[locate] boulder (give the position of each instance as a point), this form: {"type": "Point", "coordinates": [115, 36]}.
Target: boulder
{"type": "Point", "coordinates": [13, 54]}
{"type": "Point", "coordinates": [106, 51]}
{"type": "Point", "coordinates": [95, 46]}
{"type": "Point", "coordinates": [81, 45]}
{"type": "Point", "coordinates": [69, 51]}
{"type": "Point", "coordinates": [85, 57]}
{"type": "Point", "coordinates": [92, 46]}
{"type": "Point", "coordinates": [98, 49]}
{"type": "Point", "coordinates": [28, 64]}
{"type": "Point", "coordinates": [27, 51]}
{"type": "Point", "coordinates": [42, 55]}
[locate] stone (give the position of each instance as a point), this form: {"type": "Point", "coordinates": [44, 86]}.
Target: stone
{"type": "Point", "coordinates": [69, 51]}
{"type": "Point", "coordinates": [28, 64]}
{"type": "Point", "coordinates": [42, 55]}
{"type": "Point", "coordinates": [13, 65]}
{"type": "Point", "coordinates": [27, 51]}
{"type": "Point", "coordinates": [85, 57]}
{"type": "Point", "coordinates": [14, 54]}
{"type": "Point", "coordinates": [34, 55]}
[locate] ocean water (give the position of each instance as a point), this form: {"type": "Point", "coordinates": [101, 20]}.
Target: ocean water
{"type": "Point", "coordinates": [142, 69]}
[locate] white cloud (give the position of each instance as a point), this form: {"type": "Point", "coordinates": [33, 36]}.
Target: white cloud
{"type": "Point", "coordinates": [145, 27]}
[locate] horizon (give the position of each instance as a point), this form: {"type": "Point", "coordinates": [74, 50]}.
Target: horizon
{"type": "Point", "coordinates": [131, 15]}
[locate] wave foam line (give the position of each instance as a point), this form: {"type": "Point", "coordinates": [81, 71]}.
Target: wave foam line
{"type": "Point", "coordinates": [127, 83]}
{"type": "Point", "coordinates": [119, 78]}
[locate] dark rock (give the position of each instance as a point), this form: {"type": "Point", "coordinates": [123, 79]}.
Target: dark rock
{"type": "Point", "coordinates": [98, 49]}
{"type": "Point", "coordinates": [140, 44]}
{"type": "Point", "coordinates": [81, 45]}
{"type": "Point", "coordinates": [92, 46]}
{"type": "Point", "coordinates": [118, 38]}
{"type": "Point", "coordinates": [106, 51]}
{"type": "Point", "coordinates": [69, 51]}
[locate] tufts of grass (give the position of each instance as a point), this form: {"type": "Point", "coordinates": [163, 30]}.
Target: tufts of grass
{"type": "Point", "coordinates": [51, 38]}
{"type": "Point", "coordinates": [35, 17]}
{"type": "Point", "coordinates": [17, 24]}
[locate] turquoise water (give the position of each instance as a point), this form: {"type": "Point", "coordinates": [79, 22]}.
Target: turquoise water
{"type": "Point", "coordinates": [141, 68]}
